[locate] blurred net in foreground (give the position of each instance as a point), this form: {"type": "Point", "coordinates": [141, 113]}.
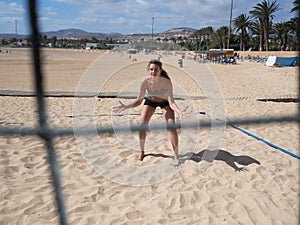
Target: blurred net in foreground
{"type": "Point", "coordinates": [47, 134]}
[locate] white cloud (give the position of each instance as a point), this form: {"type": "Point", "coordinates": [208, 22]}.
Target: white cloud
{"type": "Point", "coordinates": [10, 13]}
{"type": "Point", "coordinates": [141, 2]}
{"type": "Point", "coordinates": [50, 11]}
{"type": "Point", "coordinates": [11, 10]}
{"type": "Point", "coordinates": [132, 16]}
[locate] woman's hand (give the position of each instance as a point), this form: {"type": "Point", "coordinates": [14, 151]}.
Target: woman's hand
{"type": "Point", "coordinates": [119, 108]}
{"type": "Point", "coordinates": [184, 111]}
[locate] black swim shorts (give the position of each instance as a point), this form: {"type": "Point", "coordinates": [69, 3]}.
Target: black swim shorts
{"type": "Point", "coordinates": [155, 104]}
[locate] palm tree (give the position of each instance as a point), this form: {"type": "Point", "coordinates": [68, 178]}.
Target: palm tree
{"type": "Point", "coordinates": [264, 11]}
{"type": "Point", "coordinates": [202, 35]}
{"type": "Point", "coordinates": [241, 24]}
{"type": "Point", "coordinates": [207, 33]}
{"type": "Point", "coordinates": [292, 26]}
{"type": "Point", "coordinates": [257, 29]}
{"type": "Point", "coordinates": [220, 37]}
{"type": "Point", "coordinates": [281, 31]}
{"type": "Point", "coordinates": [296, 7]}
{"type": "Point", "coordinates": [196, 37]}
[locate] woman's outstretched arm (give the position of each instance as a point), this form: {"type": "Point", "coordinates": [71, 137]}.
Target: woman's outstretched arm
{"type": "Point", "coordinates": [121, 107]}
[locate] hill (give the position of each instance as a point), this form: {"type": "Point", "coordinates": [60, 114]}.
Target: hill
{"type": "Point", "coordinates": [78, 33]}
{"type": "Point", "coordinates": [181, 30]}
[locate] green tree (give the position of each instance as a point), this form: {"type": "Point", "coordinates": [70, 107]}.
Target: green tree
{"type": "Point", "coordinates": [202, 37]}
{"type": "Point", "coordinates": [241, 24]}
{"type": "Point", "coordinates": [294, 22]}
{"type": "Point", "coordinates": [281, 33]}
{"type": "Point", "coordinates": [220, 37]}
{"type": "Point", "coordinates": [53, 41]}
{"type": "Point", "coordinates": [292, 26]}
{"type": "Point", "coordinates": [173, 39]}
{"type": "Point", "coordinates": [296, 6]}
{"type": "Point", "coordinates": [264, 12]}
{"type": "Point", "coordinates": [196, 38]}
{"type": "Point", "coordinates": [4, 41]}
{"type": "Point", "coordinates": [257, 31]}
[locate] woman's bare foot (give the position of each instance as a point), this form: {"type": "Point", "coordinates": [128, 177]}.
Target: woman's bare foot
{"type": "Point", "coordinates": [141, 156]}
{"type": "Point", "coordinates": [177, 162]}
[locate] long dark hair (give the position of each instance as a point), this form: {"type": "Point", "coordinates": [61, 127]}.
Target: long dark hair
{"type": "Point", "coordinates": [163, 73]}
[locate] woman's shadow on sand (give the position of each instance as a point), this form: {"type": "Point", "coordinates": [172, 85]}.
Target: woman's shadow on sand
{"type": "Point", "coordinates": [211, 155]}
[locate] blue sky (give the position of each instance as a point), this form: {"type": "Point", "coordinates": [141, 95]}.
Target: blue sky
{"type": "Point", "coordinates": [128, 16]}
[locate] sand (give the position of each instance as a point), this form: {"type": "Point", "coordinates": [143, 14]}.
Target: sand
{"type": "Point", "coordinates": [102, 180]}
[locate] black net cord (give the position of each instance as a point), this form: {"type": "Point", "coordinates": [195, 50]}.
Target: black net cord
{"type": "Point", "coordinates": [44, 131]}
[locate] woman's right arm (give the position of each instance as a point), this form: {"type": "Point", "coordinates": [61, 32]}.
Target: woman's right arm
{"type": "Point", "coordinates": [121, 107]}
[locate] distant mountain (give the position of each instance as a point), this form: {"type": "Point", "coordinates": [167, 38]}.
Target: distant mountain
{"type": "Point", "coordinates": [67, 33]}
{"type": "Point", "coordinates": [78, 33]}
{"type": "Point", "coordinates": [181, 30]}
{"type": "Point", "coordinates": [13, 36]}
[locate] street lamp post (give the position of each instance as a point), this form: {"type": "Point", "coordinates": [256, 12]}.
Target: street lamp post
{"type": "Point", "coordinates": [16, 28]}
{"type": "Point", "coordinates": [230, 19]}
{"type": "Point", "coordinates": [152, 26]}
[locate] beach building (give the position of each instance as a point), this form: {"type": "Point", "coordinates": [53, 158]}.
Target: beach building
{"type": "Point", "coordinates": [93, 45]}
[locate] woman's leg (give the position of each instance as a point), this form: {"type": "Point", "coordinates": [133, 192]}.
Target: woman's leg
{"type": "Point", "coordinates": [170, 119]}
{"type": "Point", "coordinates": [146, 115]}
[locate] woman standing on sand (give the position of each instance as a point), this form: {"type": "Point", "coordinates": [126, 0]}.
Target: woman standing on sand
{"type": "Point", "coordinates": [157, 90]}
